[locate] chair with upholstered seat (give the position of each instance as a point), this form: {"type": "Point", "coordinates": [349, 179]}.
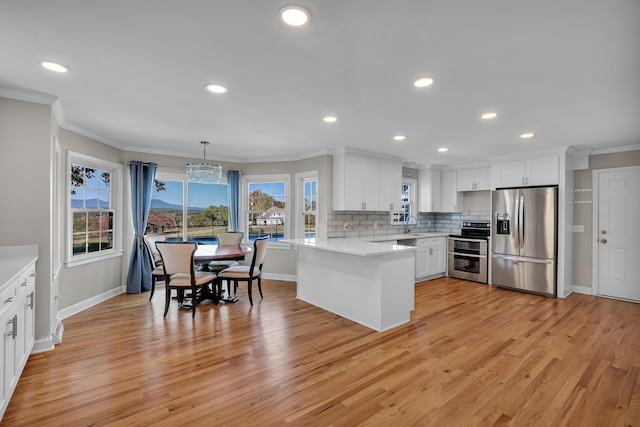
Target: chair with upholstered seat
{"type": "Point", "coordinates": [157, 272]}
{"type": "Point", "coordinates": [245, 273]}
{"type": "Point", "coordinates": [231, 238]}
{"type": "Point", "coordinates": [180, 274]}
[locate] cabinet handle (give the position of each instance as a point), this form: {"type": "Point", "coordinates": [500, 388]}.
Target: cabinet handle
{"type": "Point", "coordinates": [31, 300]}
{"type": "Point", "coordinates": [14, 326]}
{"type": "Point", "coordinates": [23, 284]}
{"type": "Point", "coordinates": [8, 300]}
{"type": "Point", "coordinates": [430, 251]}
{"type": "Point", "coordinates": [33, 274]}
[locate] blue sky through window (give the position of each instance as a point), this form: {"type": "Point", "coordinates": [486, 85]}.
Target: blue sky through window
{"type": "Point", "coordinates": [200, 195]}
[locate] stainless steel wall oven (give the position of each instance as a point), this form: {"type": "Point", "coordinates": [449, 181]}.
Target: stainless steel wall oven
{"type": "Point", "coordinates": [467, 255]}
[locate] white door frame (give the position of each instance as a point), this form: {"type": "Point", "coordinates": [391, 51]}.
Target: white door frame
{"type": "Point", "coordinates": [595, 267]}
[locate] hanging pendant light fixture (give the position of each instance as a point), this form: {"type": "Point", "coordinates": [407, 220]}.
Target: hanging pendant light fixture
{"type": "Point", "coordinates": [204, 172]}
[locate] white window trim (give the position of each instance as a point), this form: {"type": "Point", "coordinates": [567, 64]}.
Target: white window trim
{"type": "Point", "coordinates": [413, 200]}
{"type": "Point", "coordinates": [300, 178]}
{"type": "Point", "coordinates": [117, 178]}
{"type": "Point", "coordinates": [244, 208]}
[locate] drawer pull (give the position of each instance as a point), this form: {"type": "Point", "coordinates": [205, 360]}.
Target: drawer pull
{"type": "Point", "coordinates": [23, 284]}
{"type": "Point", "coordinates": [14, 326]}
{"type": "Point", "coordinates": [8, 300]}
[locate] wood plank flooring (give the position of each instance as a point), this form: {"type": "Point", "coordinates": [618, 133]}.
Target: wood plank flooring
{"type": "Point", "coordinates": [472, 355]}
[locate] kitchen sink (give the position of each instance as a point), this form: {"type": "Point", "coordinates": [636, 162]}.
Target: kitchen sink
{"type": "Point", "coordinates": [407, 242]}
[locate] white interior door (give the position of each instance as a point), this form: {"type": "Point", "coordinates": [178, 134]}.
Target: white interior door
{"type": "Point", "coordinates": [619, 233]}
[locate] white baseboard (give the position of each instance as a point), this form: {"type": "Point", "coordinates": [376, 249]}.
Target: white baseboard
{"type": "Point", "coordinates": [285, 277]}
{"type": "Point", "coordinates": [582, 290]}
{"type": "Point", "coordinates": [77, 308]}
{"type": "Point", "coordinates": [40, 346]}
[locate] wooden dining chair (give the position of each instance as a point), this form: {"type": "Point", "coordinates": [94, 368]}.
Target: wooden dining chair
{"type": "Point", "coordinates": [245, 273]}
{"type": "Point", "coordinates": [180, 274]}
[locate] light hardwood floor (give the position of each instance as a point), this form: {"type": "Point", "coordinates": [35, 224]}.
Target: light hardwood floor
{"type": "Point", "coordinates": [471, 355]}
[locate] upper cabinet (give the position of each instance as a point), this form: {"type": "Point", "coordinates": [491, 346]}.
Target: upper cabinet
{"type": "Point", "coordinates": [474, 179]}
{"type": "Point", "coordinates": [390, 185]}
{"type": "Point", "coordinates": [429, 184]}
{"type": "Point", "coordinates": [365, 183]}
{"type": "Point", "coordinates": [451, 200]}
{"type": "Point", "coordinates": [437, 191]}
{"type": "Point", "coordinates": [522, 173]}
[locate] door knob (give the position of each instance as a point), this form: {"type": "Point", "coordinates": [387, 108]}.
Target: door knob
{"type": "Point", "coordinates": [603, 240]}
{"type": "Point", "coordinates": [603, 232]}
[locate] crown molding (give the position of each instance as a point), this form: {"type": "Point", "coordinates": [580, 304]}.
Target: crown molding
{"type": "Point", "coordinates": [619, 149]}
{"type": "Point", "coordinates": [27, 95]}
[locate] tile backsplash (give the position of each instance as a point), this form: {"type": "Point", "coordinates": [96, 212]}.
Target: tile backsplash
{"type": "Point", "coordinates": [378, 223]}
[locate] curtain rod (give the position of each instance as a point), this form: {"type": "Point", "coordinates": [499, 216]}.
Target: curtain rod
{"type": "Point", "coordinates": [143, 163]}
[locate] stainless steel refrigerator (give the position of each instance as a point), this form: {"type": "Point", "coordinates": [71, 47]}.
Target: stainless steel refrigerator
{"type": "Point", "coordinates": [524, 236]}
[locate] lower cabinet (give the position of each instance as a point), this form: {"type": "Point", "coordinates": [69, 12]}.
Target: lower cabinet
{"type": "Point", "coordinates": [17, 315]}
{"type": "Point", "coordinates": [430, 257]}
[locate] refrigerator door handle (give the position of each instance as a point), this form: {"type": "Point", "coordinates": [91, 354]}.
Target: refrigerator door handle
{"type": "Point", "coordinates": [517, 223]}
{"type": "Point", "coordinates": [523, 259]}
{"type": "Point", "coordinates": [521, 223]}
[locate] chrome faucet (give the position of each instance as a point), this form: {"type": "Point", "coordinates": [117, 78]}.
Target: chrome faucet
{"type": "Point", "coordinates": [407, 221]}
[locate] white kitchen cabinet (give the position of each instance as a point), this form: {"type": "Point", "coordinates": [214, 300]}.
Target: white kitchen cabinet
{"type": "Point", "coordinates": [451, 200]}
{"type": "Point", "coordinates": [390, 185]}
{"type": "Point", "coordinates": [17, 315]}
{"type": "Point", "coordinates": [26, 314]}
{"type": "Point", "coordinates": [429, 186]}
{"type": "Point", "coordinates": [8, 326]}
{"type": "Point", "coordinates": [474, 179]}
{"type": "Point", "coordinates": [430, 257]}
{"type": "Point", "coordinates": [365, 183]}
{"type": "Point", "coordinates": [522, 173]}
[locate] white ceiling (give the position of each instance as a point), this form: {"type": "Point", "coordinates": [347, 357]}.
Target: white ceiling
{"type": "Point", "coordinates": [568, 70]}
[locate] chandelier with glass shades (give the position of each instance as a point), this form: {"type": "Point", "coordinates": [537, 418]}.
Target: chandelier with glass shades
{"type": "Point", "coordinates": [204, 172]}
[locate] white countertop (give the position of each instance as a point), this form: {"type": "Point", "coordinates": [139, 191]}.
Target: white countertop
{"type": "Point", "coordinates": [13, 259]}
{"type": "Point", "coordinates": [352, 246]}
{"type": "Point", "coordinates": [402, 236]}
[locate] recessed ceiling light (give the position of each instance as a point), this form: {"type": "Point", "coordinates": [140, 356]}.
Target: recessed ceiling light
{"type": "Point", "coordinates": [294, 16]}
{"type": "Point", "coordinates": [488, 116]}
{"type": "Point", "coordinates": [216, 88]}
{"type": "Point", "coordinates": [443, 149]}
{"type": "Point", "coordinates": [330, 119]}
{"type": "Point", "coordinates": [424, 82]}
{"type": "Point", "coordinates": [528, 135]}
{"type": "Point", "coordinates": [399, 138]}
{"type": "Point", "coordinates": [54, 66]}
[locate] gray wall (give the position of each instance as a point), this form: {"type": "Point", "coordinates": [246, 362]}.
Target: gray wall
{"type": "Point", "coordinates": [583, 212]}
{"type": "Point", "coordinates": [25, 167]}
{"type": "Point", "coordinates": [80, 283]}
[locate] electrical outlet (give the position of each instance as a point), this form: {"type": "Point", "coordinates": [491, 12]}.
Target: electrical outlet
{"type": "Point", "coordinates": [346, 227]}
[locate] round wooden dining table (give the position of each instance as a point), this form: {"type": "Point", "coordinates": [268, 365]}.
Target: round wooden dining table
{"type": "Point", "coordinates": [221, 253]}
{"type": "Point", "coordinates": [206, 253]}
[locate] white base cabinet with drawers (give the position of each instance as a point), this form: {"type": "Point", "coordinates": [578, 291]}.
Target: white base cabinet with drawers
{"type": "Point", "coordinates": [17, 315]}
{"type": "Point", "coordinates": [430, 258]}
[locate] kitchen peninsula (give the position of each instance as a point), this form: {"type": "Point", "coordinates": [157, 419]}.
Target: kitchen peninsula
{"type": "Point", "coordinates": [369, 283]}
